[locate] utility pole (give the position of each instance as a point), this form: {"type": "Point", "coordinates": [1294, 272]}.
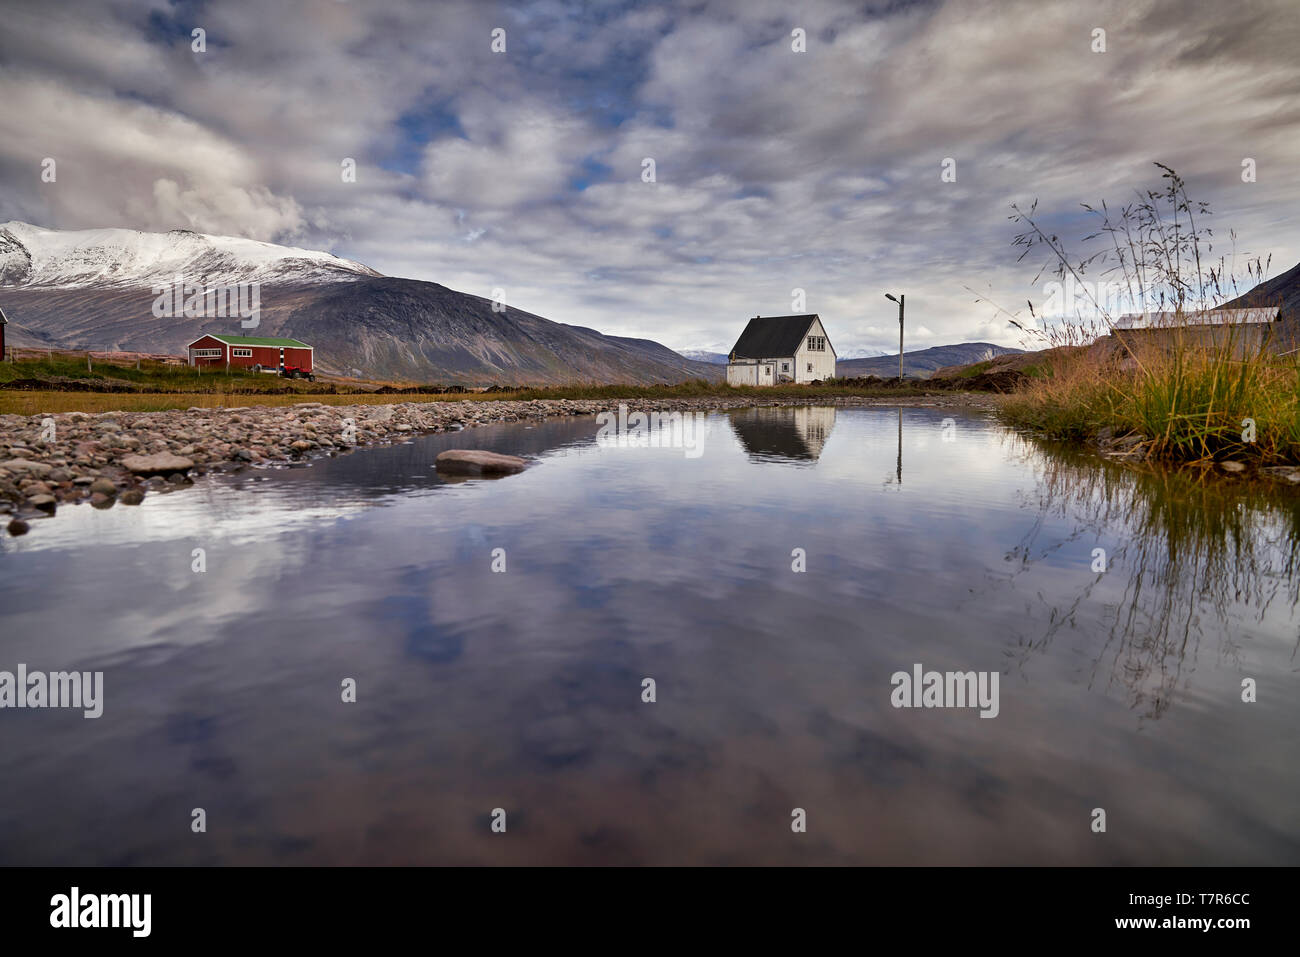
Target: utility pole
{"type": "Point", "coordinates": [899, 300]}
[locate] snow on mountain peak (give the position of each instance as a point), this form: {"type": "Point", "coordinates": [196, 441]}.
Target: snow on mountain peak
{"type": "Point", "coordinates": [33, 256]}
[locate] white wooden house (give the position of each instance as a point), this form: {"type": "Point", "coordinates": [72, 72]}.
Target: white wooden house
{"type": "Point", "coordinates": [777, 349]}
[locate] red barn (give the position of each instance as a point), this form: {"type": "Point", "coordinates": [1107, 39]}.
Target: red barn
{"type": "Point", "coordinates": [251, 352]}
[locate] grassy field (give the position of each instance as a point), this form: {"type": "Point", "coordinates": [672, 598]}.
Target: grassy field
{"type": "Point", "coordinates": [1189, 403]}
{"type": "Point", "coordinates": [62, 371]}
{"type": "Point", "coordinates": [42, 403]}
{"type": "Point", "coordinates": [61, 384]}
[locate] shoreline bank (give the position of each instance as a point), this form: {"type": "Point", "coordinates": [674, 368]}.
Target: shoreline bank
{"type": "Point", "coordinates": [109, 458]}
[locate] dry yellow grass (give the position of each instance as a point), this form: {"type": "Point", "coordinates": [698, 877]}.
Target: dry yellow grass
{"type": "Point", "coordinates": [41, 401]}
{"type": "Point", "coordinates": [37, 403]}
{"type": "Point", "coordinates": [1189, 401]}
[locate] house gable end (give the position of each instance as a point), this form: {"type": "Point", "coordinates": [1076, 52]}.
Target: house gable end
{"type": "Point", "coordinates": [816, 329]}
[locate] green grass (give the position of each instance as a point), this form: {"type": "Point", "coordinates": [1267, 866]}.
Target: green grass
{"type": "Point", "coordinates": [159, 387]}
{"type": "Point", "coordinates": [150, 376]}
{"type": "Point", "coordinates": [974, 369]}
{"type": "Point", "coordinates": [48, 403]}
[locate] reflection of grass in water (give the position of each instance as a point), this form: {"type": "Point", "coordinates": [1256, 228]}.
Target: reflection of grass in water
{"type": "Point", "coordinates": [1196, 549]}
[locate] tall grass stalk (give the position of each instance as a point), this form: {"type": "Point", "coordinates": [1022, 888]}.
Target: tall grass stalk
{"type": "Point", "coordinates": [1193, 386]}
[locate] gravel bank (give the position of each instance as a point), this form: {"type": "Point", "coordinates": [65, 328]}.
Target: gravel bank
{"type": "Point", "coordinates": [47, 461]}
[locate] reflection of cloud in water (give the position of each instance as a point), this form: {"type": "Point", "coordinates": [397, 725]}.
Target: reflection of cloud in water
{"type": "Point", "coordinates": [522, 689]}
{"type": "Point", "coordinates": [789, 434]}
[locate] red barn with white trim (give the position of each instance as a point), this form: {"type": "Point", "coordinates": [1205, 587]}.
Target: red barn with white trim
{"type": "Point", "coordinates": [251, 352]}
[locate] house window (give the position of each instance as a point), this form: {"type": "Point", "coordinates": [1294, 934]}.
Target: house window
{"type": "Point", "coordinates": [810, 367]}
{"type": "Point", "coordinates": [206, 353]}
{"type": "Point", "coordinates": [785, 367]}
{"type": "Point", "coordinates": [241, 353]}
{"type": "Point", "coordinates": [816, 343]}
{"type": "Point", "coordinates": [767, 370]}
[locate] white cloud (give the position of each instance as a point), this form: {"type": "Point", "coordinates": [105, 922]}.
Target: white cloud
{"type": "Point", "coordinates": [775, 169]}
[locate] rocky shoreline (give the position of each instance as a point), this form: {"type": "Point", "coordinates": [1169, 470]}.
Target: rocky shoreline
{"type": "Point", "coordinates": [109, 458]}
{"type": "Point", "coordinates": [1134, 449]}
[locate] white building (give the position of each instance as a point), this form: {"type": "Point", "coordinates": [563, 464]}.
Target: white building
{"type": "Point", "coordinates": [776, 349]}
{"type": "Point", "coordinates": [1242, 331]}
{"type": "Point", "coordinates": [1208, 317]}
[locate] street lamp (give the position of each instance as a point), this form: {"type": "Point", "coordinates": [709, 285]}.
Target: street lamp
{"type": "Point", "coordinates": [899, 300]}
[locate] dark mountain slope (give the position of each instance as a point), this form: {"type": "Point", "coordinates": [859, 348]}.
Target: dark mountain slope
{"type": "Point", "coordinates": [922, 362]}
{"type": "Point", "coordinates": [1282, 291]}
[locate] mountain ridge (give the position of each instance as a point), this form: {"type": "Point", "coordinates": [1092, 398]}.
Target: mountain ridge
{"type": "Point", "coordinates": [33, 255]}
{"type": "Point", "coordinates": [1283, 291]}
{"type": "Point", "coordinates": [93, 289]}
{"type": "Point", "coordinates": [923, 362]}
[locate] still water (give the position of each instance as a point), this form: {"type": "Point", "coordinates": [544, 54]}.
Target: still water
{"type": "Point", "coordinates": [955, 545]}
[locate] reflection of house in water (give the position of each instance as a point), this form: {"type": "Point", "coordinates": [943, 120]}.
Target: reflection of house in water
{"type": "Point", "coordinates": [796, 434]}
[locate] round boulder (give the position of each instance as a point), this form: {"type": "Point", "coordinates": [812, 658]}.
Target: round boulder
{"type": "Point", "coordinates": [160, 463]}
{"type": "Point", "coordinates": [478, 462]}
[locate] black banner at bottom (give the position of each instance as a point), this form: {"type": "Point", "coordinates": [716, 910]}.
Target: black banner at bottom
{"type": "Point", "coordinates": [334, 906]}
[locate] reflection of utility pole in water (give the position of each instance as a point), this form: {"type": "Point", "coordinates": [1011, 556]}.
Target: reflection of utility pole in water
{"type": "Point", "coordinates": [897, 478]}
{"type": "Point", "coordinates": [900, 445]}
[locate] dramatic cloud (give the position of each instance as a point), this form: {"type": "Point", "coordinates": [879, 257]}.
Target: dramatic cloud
{"type": "Point", "coordinates": [775, 170]}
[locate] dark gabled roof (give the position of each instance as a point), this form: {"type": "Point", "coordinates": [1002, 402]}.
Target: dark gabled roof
{"type": "Point", "coordinates": [772, 337]}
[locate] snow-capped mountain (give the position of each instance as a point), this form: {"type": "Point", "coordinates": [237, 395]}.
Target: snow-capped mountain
{"type": "Point", "coordinates": [92, 289]}
{"type": "Point", "coordinates": [704, 355]}
{"type": "Point", "coordinates": [32, 256]}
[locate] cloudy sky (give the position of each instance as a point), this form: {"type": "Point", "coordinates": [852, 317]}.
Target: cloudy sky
{"type": "Point", "coordinates": [774, 169]}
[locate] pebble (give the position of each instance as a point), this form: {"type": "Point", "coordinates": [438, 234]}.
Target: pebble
{"type": "Point", "coordinates": [26, 466]}
{"type": "Point", "coordinates": [1283, 473]}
